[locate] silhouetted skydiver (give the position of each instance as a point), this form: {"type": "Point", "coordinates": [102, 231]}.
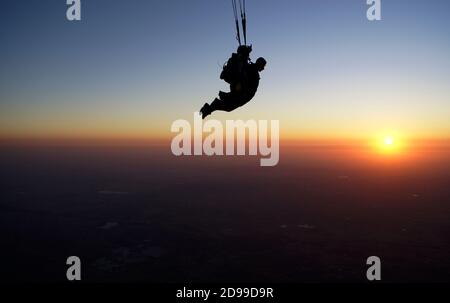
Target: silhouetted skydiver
{"type": "Point", "coordinates": [243, 77]}
{"type": "Point", "coordinates": [233, 70]}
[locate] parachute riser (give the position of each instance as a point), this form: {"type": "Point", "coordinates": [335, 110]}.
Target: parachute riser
{"type": "Point", "coordinates": [243, 20]}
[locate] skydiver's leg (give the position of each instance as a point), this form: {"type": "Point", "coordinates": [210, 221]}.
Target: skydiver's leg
{"type": "Point", "coordinates": [226, 102]}
{"type": "Point", "coordinates": [224, 105]}
{"type": "Point", "coordinates": [217, 104]}
{"type": "Point", "coordinates": [205, 110]}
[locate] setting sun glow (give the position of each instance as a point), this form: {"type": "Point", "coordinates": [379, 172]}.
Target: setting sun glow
{"type": "Point", "coordinates": [389, 141]}
{"type": "Point", "coordinates": [388, 144]}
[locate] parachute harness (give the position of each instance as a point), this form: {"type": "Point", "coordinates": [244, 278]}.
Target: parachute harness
{"type": "Point", "coordinates": [243, 20]}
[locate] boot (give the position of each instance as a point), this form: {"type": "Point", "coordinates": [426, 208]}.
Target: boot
{"type": "Point", "coordinates": [205, 111]}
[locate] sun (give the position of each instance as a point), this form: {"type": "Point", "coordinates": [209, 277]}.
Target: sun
{"type": "Point", "coordinates": [389, 141]}
{"type": "Point", "coordinates": [389, 144]}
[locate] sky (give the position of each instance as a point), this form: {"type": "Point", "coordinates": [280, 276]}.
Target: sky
{"type": "Point", "coordinates": [130, 68]}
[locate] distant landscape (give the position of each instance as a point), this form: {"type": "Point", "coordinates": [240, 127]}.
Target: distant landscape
{"type": "Point", "coordinates": [135, 213]}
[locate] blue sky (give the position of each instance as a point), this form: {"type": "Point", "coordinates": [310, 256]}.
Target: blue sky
{"type": "Point", "coordinates": [135, 66]}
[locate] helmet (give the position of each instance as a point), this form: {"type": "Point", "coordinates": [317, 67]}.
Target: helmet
{"type": "Point", "coordinates": [261, 63]}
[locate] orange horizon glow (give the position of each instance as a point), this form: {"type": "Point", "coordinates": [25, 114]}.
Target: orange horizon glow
{"type": "Point", "coordinates": [384, 144]}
